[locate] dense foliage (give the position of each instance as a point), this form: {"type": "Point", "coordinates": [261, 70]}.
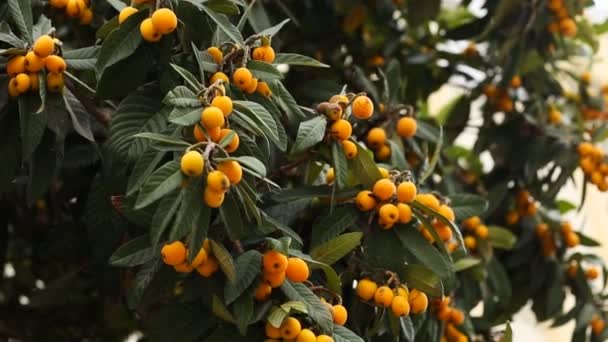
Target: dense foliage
{"type": "Point", "coordinates": [231, 170]}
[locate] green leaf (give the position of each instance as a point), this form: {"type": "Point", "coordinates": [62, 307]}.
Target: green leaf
{"type": "Point", "coordinates": [342, 334]}
{"type": "Point", "coordinates": [189, 211]}
{"type": "Point", "coordinates": [145, 165]}
{"type": "Point", "coordinates": [163, 140]}
{"type": "Point", "coordinates": [295, 59]}
{"type": "Point", "coordinates": [564, 206]}
{"type": "Point", "coordinates": [465, 263]}
{"type": "Point", "coordinates": [340, 164]}
{"type": "Point", "coordinates": [508, 333]}
{"type": "Point", "coordinates": [42, 26]}
{"type": "Point", "coordinates": [199, 231]}
{"type": "Point", "coordinates": [334, 224]}
{"type": "Point", "coordinates": [263, 70]}
{"type": "Point", "coordinates": [501, 237]}
{"type": "Point", "coordinates": [81, 59]}
{"type": "Point", "coordinates": [428, 255]}
{"type": "Point", "coordinates": [332, 251]}
{"type": "Point", "coordinates": [331, 277]}
{"type": "Point", "coordinates": [181, 96]}
{"type": "Point", "coordinates": [188, 77]}
{"type": "Point", "coordinates": [243, 311]}
{"type": "Point", "coordinates": [433, 162]}
{"type": "Point", "coordinates": [423, 279]}
{"type": "Point", "coordinates": [233, 221]}
{"type": "Point", "coordinates": [364, 168]}
{"type": "Point", "coordinates": [143, 278]}
{"type": "Point", "coordinates": [224, 24]}
{"type": "Point", "coordinates": [220, 310]}
{"type": "Point", "coordinates": [310, 133]}
{"type": "Point", "coordinates": [286, 101]}
{"type": "Point", "coordinates": [121, 43]}
{"type": "Point", "coordinates": [20, 12]}
{"type": "Point", "coordinates": [271, 31]}
{"type": "Point", "coordinates": [80, 117]}
{"type": "Point", "coordinates": [467, 205]}
{"type": "Point", "coordinates": [32, 125]}
{"type": "Point", "coordinates": [134, 253]}
{"type": "Point", "coordinates": [164, 215]}
{"type": "Point", "coordinates": [585, 316]}
{"type": "Point", "coordinates": [295, 305]}
{"type": "Point", "coordinates": [185, 116]}
{"type": "Point", "coordinates": [248, 266]}
{"type": "Point", "coordinates": [260, 116]}
{"type": "Point", "coordinates": [276, 316]}
{"type": "Point", "coordinates": [222, 6]}
{"type": "Point", "coordinates": [393, 79]}
{"type": "Point", "coordinates": [248, 163]}
{"type": "Point", "coordinates": [317, 310]}
{"type": "Point", "coordinates": [164, 180]}
{"type": "Point", "coordinates": [224, 259]}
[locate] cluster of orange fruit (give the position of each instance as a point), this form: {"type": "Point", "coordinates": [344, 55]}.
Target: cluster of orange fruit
{"type": "Point", "coordinates": [376, 137]}
{"type": "Point", "coordinates": [336, 109]}
{"type": "Point", "coordinates": [176, 254]}
{"type": "Point", "coordinates": [275, 268]}
{"type": "Point", "coordinates": [24, 70]}
{"type": "Point", "coordinates": [441, 228]}
{"type": "Point", "coordinates": [291, 330]}
{"type": "Point", "coordinates": [452, 317]}
{"type": "Point", "coordinates": [389, 200]}
{"type": "Point", "coordinates": [339, 314]}
{"type": "Point", "coordinates": [162, 22]}
{"type": "Point", "coordinates": [474, 230]}
{"type": "Point", "coordinates": [591, 273]}
{"type": "Point", "coordinates": [597, 324]}
{"type": "Point", "coordinates": [548, 243]}
{"type": "Point", "coordinates": [499, 98]}
{"type": "Point", "coordinates": [593, 165]}
{"type": "Point", "coordinates": [554, 116]}
{"type": "Point", "coordinates": [562, 23]}
{"type": "Point", "coordinates": [525, 205]}
{"type": "Point", "coordinates": [400, 300]}
{"type": "Point", "coordinates": [75, 9]}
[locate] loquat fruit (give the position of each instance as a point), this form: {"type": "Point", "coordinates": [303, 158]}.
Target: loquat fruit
{"type": "Point", "coordinates": [383, 153]}
{"type": "Point", "coordinates": [263, 89]}
{"type": "Point", "coordinates": [592, 273]}
{"type": "Point", "coordinates": [262, 292]}
{"type": "Point", "coordinates": [173, 253]}
{"type": "Point", "coordinates": [214, 133]}
{"type": "Point", "coordinates": [148, 31]}
{"type": "Point", "coordinates": [33, 62]}
{"type": "Point", "coordinates": [192, 164]}
{"type": "Point", "coordinates": [274, 262]}
{"type": "Point", "coordinates": [384, 189]}
{"type": "Point", "coordinates": [376, 137]}
{"type": "Point", "coordinates": [208, 267]}
{"type": "Point", "coordinates": [224, 103]}
{"type": "Point", "coordinates": [212, 117]}
{"type": "Point", "coordinates": [22, 82]}
{"type": "Point", "coordinates": [324, 338]}
{"type": "Point", "coordinates": [242, 78]}
{"type": "Point", "coordinates": [383, 172]}
{"type": "Point", "coordinates": [164, 20]}
{"type": "Point", "coordinates": [362, 107]}
{"type": "Point", "coordinates": [216, 54]}
{"type": "Point", "coordinates": [350, 149]}
{"type": "Point", "coordinates": [383, 296]}
{"type": "Point", "coordinates": [200, 257]}
{"type": "Point", "coordinates": [234, 142]}
{"type": "Point", "coordinates": [86, 16]}
{"type": "Point", "coordinates": [54, 82]}
{"type": "Point", "coordinates": [471, 223]}
{"type": "Point", "coordinates": [55, 64]}
{"type": "Point", "coordinates": [418, 301]}
{"type": "Point", "coordinates": [306, 335]}
{"type": "Point", "coordinates": [405, 213]}
{"type": "Point", "coordinates": [428, 200]}
{"type": "Point", "coordinates": [272, 332]}
{"type": "Point", "coordinates": [297, 270]}
{"type": "Point", "coordinates": [365, 200]}
{"type": "Point", "coordinates": [44, 46]}
{"type": "Point", "coordinates": [15, 66]}
{"type": "Point", "coordinates": [219, 76]}
{"type": "Point", "coordinates": [482, 231]}
{"type": "Point", "coordinates": [290, 328]}
{"type": "Point", "coordinates": [400, 306]}
{"type": "Point", "coordinates": [213, 199]}
{"type": "Point", "coordinates": [366, 289]}
{"type": "Point", "coordinates": [183, 268]}
{"type": "Point", "coordinates": [274, 280]}
{"type": "Point", "coordinates": [406, 192]}
{"type": "Point", "coordinates": [407, 127]}
{"type": "Point", "coordinates": [330, 176]}
{"type": "Point", "coordinates": [125, 13]}
{"type": "Point", "coordinates": [389, 213]}
{"type": "Point", "coordinates": [339, 314]}
{"type": "Point", "coordinates": [470, 243]}
{"type": "Point", "coordinates": [264, 53]}
{"type": "Point", "coordinates": [341, 129]}
{"type": "Point", "coordinates": [447, 212]}
{"type": "Point", "coordinates": [232, 169]}
{"type": "Point", "coordinates": [34, 81]}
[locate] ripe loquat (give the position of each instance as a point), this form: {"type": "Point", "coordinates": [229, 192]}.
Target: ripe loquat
{"type": "Point", "coordinates": [406, 192]}
{"type": "Point", "coordinates": [54, 82]}
{"type": "Point", "coordinates": [407, 127]}
{"type": "Point", "coordinates": [350, 149]}
{"type": "Point", "coordinates": [192, 164]}
{"type": "Point", "coordinates": [125, 13]}
{"type": "Point", "coordinates": [341, 129]}
{"type": "Point", "coordinates": [242, 78]}
{"type": "Point", "coordinates": [365, 200]}
{"type": "Point", "coordinates": [216, 54]}
{"type": "Point", "coordinates": [418, 301]}
{"type": "Point", "coordinates": [290, 328]}
{"type": "Point", "coordinates": [173, 253]}
{"type": "Point", "coordinates": [212, 117]}
{"type": "Point", "coordinates": [164, 20]}
{"type": "Point", "coordinates": [400, 306]}
{"type": "Point", "coordinates": [264, 53]}
{"type": "Point", "coordinates": [384, 189]}
{"type": "Point", "coordinates": [213, 199]}
{"type": "Point", "coordinates": [383, 296]}
{"type": "Point", "coordinates": [148, 31]}
{"type": "Point", "coordinates": [376, 137]}
{"type": "Point", "coordinates": [366, 289]}
{"type": "Point", "coordinates": [232, 169]}
{"type": "Point", "coordinates": [297, 270]}
{"type": "Point", "coordinates": [234, 142]}
{"type": "Point", "coordinates": [44, 46]}
{"type": "Point", "coordinates": [362, 107]}
{"type": "Point", "coordinates": [339, 314]}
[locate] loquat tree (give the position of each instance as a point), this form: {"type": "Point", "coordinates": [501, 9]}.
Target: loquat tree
{"type": "Point", "coordinates": [231, 170]}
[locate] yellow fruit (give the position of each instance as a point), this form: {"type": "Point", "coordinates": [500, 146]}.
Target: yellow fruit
{"type": "Point", "coordinates": [383, 172]}
{"type": "Point", "coordinates": [164, 20]}
{"type": "Point", "coordinates": [402, 291]}
{"type": "Point", "coordinates": [242, 77]}
{"type": "Point", "coordinates": [567, 27]}
{"type": "Point", "coordinates": [233, 144]}
{"type": "Point", "coordinates": [192, 164]}
{"type": "Point", "coordinates": [214, 133]}
{"type": "Point", "coordinates": [264, 53]}
{"type": "Point", "coordinates": [306, 335]}
{"type": "Point", "coordinates": [272, 332]}
{"type": "Point", "coordinates": [22, 82]}
{"type": "Point", "coordinates": [34, 81]}
{"type": "Point", "coordinates": [224, 103]}
{"type": "Point", "coordinates": [74, 7]}
{"type": "Point", "coordinates": [418, 301]}
{"type": "Point", "coordinates": [389, 213]}
{"type": "Point", "coordinates": [407, 127]}
{"type": "Point", "coordinates": [207, 268]}
{"type": "Point", "coordinates": [572, 240]}
{"type": "Point", "coordinates": [428, 200]}
{"type": "Point", "coordinates": [470, 243]}
{"type": "Point", "coordinates": [263, 89]}
{"type": "Point", "coordinates": [341, 130]}
{"type": "Point", "coordinates": [406, 192]}
{"type": "Point", "coordinates": [15, 66]}
{"type": "Point", "coordinates": [54, 82]}
{"type": "Point", "coordinates": [400, 306]}
{"type": "Point", "coordinates": [262, 292]}
{"type": "Point", "coordinates": [342, 100]}
{"type": "Point", "coordinates": [350, 149]}
{"type": "Point", "coordinates": [366, 289]}
{"type": "Point", "coordinates": [339, 314]}
{"type": "Point", "coordinates": [457, 317]}
{"type": "Point", "coordinates": [232, 169]}
{"type": "Point", "coordinates": [405, 213]}
{"type": "Point", "coordinates": [200, 258]}
{"type": "Point", "coordinates": [125, 13]}
{"type": "Point", "coordinates": [362, 107]}
{"type": "Point", "coordinates": [173, 253]}
{"type": "Point", "coordinates": [44, 46]}
{"type": "Point", "coordinates": [324, 338]}
{"type": "Point", "coordinates": [585, 149]}
{"type": "Point", "coordinates": [219, 76]}
{"type": "Point", "coordinates": [59, 4]}
{"type": "Point", "coordinates": [217, 181]}
{"type": "Point", "coordinates": [482, 231]}
{"type": "Point", "coordinates": [471, 223]}
{"type": "Point", "coordinates": [274, 262]}
{"type": "Point", "coordinates": [383, 153]}
{"type": "Point", "coordinates": [297, 270]}
{"type": "Point", "coordinates": [365, 201]}
{"type": "Point", "coordinates": [383, 296]}
{"type": "Point", "coordinates": [274, 280]}
{"type": "Point", "coordinates": [86, 16]}
{"type": "Point", "coordinates": [183, 268]}
{"type": "Point", "coordinates": [212, 117]}
{"type": "Point", "coordinates": [33, 63]}
{"type": "Point", "coordinates": [216, 54]}
{"type": "Point", "coordinates": [148, 31]}
{"type": "Point", "coordinates": [253, 85]}
{"type": "Point", "coordinates": [12, 88]}
{"type": "Point", "coordinates": [385, 224]}
{"type": "Point", "coordinates": [213, 199]}
{"type": "Point", "coordinates": [447, 212]}
{"type": "Point", "coordinates": [55, 64]}
{"type": "Point", "coordinates": [330, 176]}
{"type": "Point", "coordinates": [384, 189]}
{"type": "Point", "coordinates": [290, 328]}
{"type": "Point", "coordinates": [592, 273]}
{"type": "Point", "coordinates": [376, 138]}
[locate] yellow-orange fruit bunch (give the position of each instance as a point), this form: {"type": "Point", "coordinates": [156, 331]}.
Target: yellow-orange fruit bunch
{"type": "Point", "coordinates": [24, 70]}
{"type": "Point", "coordinates": [597, 324]}
{"type": "Point", "coordinates": [441, 228]}
{"type": "Point", "coordinates": [162, 22]}
{"type": "Point", "coordinates": [291, 330]}
{"type": "Point", "coordinates": [447, 313]}
{"type": "Point", "coordinates": [525, 205]}
{"type": "Point", "coordinates": [75, 9]}
{"type": "Point", "coordinates": [452, 334]}
{"type": "Point", "coordinates": [591, 273]}
{"type": "Point", "coordinates": [400, 299]}
{"type": "Point", "coordinates": [547, 240]}
{"type": "Point", "coordinates": [176, 254]}
{"type": "Point", "coordinates": [571, 238]}
{"type": "Point", "coordinates": [593, 165]}
{"type": "Point", "coordinates": [389, 200]}
{"type": "Point", "coordinates": [554, 116]}
{"type": "Point", "coordinates": [475, 230]}
{"type": "Point", "coordinates": [276, 267]}
{"type": "Point", "coordinates": [563, 22]}
{"type": "Point", "coordinates": [498, 98]}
